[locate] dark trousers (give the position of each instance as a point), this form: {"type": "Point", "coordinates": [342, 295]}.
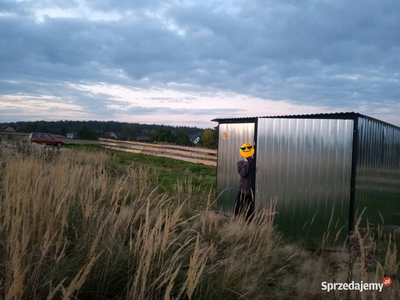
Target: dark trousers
{"type": "Point", "coordinates": [241, 199]}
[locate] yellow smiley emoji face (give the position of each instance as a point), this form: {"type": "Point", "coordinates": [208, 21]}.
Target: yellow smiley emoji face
{"type": "Point", "coordinates": [246, 150]}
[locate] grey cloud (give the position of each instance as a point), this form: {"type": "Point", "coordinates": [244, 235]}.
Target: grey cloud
{"type": "Point", "coordinates": [6, 113]}
{"type": "Point", "coordinates": [174, 99]}
{"type": "Point", "coordinates": [328, 53]}
{"type": "Point", "coordinates": [141, 110]}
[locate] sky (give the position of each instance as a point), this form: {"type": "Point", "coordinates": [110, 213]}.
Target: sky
{"type": "Point", "coordinates": [182, 62]}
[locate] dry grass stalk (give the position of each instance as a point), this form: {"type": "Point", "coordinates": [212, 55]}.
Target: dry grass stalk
{"type": "Point", "coordinates": [79, 279]}
{"type": "Point", "coordinates": [196, 267]}
{"type": "Point", "coordinates": [171, 283]}
{"type": "Point", "coordinates": [73, 210]}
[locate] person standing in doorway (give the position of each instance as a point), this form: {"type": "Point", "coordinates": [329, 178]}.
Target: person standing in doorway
{"type": "Point", "coordinates": [246, 170]}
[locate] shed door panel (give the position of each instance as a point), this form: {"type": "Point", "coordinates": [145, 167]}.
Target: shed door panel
{"type": "Point", "coordinates": [378, 173]}
{"type": "Point", "coordinates": [306, 165]}
{"type": "Point", "coordinates": [231, 137]}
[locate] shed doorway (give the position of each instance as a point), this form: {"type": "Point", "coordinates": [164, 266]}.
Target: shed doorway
{"type": "Point", "coordinates": [231, 137]}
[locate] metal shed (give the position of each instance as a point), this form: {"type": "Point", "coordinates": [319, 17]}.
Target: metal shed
{"type": "Point", "coordinates": [321, 168]}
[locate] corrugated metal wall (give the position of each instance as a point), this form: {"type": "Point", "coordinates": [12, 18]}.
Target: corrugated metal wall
{"type": "Point", "coordinates": [228, 156]}
{"type": "Point", "coordinates": [378, 172]}
{"type": "Point", "coordinates": [306, 164]}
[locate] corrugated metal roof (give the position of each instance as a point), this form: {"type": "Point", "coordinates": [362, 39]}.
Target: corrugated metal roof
{"type": "Point", "coordinates": [337, 115]}
{"type": "Point", "coordinates": [321, 115]}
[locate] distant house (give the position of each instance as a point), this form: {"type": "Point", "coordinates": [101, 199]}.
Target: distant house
{"type": "Point", "coordinates": [111, 135]}
{"type": "Point", "coordinates": [194, 138]}
{"type": "Point", "coordinates": [72, 135]}
{"type": "Point", "coordinates": [143, 138]}
{"type": "Point", "coordinates": [9, 129]}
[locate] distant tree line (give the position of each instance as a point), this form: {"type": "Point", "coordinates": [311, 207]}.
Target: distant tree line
{"type": "Point", "coordinates": [92, 130]}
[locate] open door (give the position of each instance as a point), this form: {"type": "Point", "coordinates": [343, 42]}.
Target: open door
{"type": "Point", "coordinates": [231, 137]}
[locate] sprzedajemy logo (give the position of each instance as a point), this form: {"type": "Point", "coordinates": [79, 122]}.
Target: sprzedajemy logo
{"type": "Point", "coordinates": [355, 286]}
{"type": "Point", "coordinates": [387, 281]}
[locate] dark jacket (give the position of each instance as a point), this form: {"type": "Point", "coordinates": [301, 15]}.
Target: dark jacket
{"type": "Point", "coordinates": [246, 170]}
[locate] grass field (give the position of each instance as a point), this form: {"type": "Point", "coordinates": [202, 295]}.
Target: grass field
{"type": "Point", "coordinates": [170, 171]}
{"type": "Point", "coordinates": [68, 141]}
{"type": "Point", "coordinates": [83, 223]}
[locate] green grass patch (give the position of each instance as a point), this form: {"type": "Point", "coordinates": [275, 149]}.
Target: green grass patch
{"type": "Point", "coordinates": [90, 147]}
{"type": "Point", "coordinates": [170, 170]}
{"type": "Point", "coordinates": [68, 141]}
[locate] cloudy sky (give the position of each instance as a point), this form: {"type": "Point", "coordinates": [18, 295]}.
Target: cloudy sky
{"type": "Point", "coordinates": [185, 62]}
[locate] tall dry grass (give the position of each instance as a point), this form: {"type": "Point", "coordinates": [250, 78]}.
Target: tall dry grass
{"type": "Point", "coordinates": [76, 225]}
{"type": "Point", "coordinates": [72, 227]}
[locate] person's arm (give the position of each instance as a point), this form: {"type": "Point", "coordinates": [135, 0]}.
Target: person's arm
{"type": "Point", "coordinates": [243, 168]}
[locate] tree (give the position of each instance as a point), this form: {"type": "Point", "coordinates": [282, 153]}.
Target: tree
{"type": "Point", "coordinates": [216, 135]}
{"type": "Point", "coordinates": [86, 133]}
{"type": "Point", "coordinates": [42, 126]}
{"type": "Point", "coordinates": [154, 135]}
{"type": "Point", "coordinates": [208, 139]}
{"type": "Point", "coordinates": [164, 135]}
{"type": "Point", "coordinates": [128, 132]}
{"type": "Point", "coordinates": [145, 132]}
{"type": "Point", "coordinates": [182, 138]}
